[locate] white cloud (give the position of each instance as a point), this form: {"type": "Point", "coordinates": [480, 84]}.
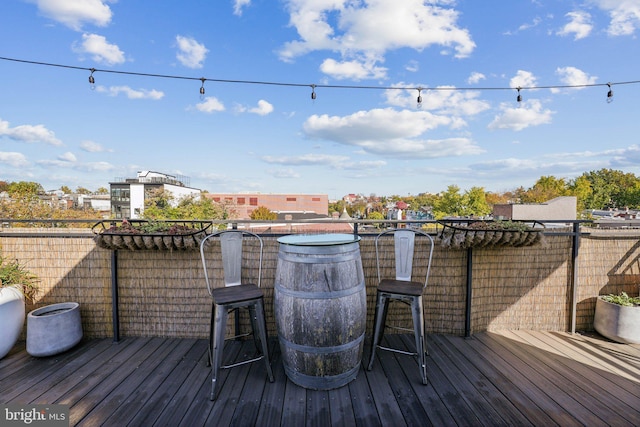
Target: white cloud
{"type": "Point", "coordinates": [262, 109]}
{"type": "Point", "coordinates": [306, 159]}
{"type": "Point", "coordinates": [442, 99]}
{"type": "Point", "coordinates": [28, 133]}
{"type": "Point", "coordinates": [572, 76]}
{"type": "Point", "coordinates": [389, 133]}
{"type": "Point", "coordinates": [359, 30]}
{"type": "Point", "coordinates": [523, 79]}
{"type": "Point", "coordinates": [579, 25]}
{"type": "Point", "coordinates": [625, 16]}
{"type": "Point", "coordinates": [238, 5]}
{"type": "Point", "coordinates": [75, 13]}
{"type": "Point", "coordinates": [475, 77]}
{"type": "Point", "coordinates": [210, 105]}
{"type": "Point", "coordinates": [13, 159]}
{"type": "Point", "coordinates": [92, 147]}
{"type": "Point", "coordinates": [100, 49]}
{"type": "Point", "coordinates": [68, 157]}
{"type": "Point", "coordinates": [191, 54]}
{"type": "Point", "coordinates": [131, 93]}
{"type": "Point", "coordinates": [353, 70]}
{"type": "Point", "coordinates": [530, 113]}
{"type": "Point", "coordinates": [283, 173]}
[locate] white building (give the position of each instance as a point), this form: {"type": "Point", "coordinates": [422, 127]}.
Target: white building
{"type": "Point", "coordinates": [128, 195]}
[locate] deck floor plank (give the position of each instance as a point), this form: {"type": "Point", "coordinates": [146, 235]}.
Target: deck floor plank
{"type": "Point", "coordinates": [147, 400]}
{"type": "Point", "coordinates": [592, 381]}
{"type": "Point", "coordinates": [566, 393]}
{"type": "Point", "coordinates": [472, 382]}
{"type": "Point", "coordinates": [494, 378]}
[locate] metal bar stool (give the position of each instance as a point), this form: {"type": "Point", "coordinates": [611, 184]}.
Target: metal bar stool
{"type": "Point", "coordinates": [235, 294]}
{"type": "Point", "coordinates": [402, 289]}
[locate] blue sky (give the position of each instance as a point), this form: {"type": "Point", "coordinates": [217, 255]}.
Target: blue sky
{"type": "Point", "coordinates": [364, 133]}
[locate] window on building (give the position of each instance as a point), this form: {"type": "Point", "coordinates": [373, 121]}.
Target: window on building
{"type": "Point", "coordinates": [253, 201]}
{"type": "Point", "coordinates": [291, 199]}
{"type": "Point", "coordinates": [315, 199]}
{"type": "Point", "coordinates": [241, 201]}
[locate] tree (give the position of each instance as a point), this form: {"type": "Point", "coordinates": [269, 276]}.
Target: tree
{"type": "Point", "coordinates": [161, 205]}
{"type": "Point", "coordinates": [449, 203]}
{"type": "Point", "coordinates": [545, 189]}
{"type": "Point", "coordinates": [66, 190]}
{"type": "Point", "coordinates": [263, 213]}
{"type": "Point", "coordinates": [376, 216]}
{"type": "Point", "coordinates": [82, 190]}
{"type": "Point", "coordinates": [612, 189]}
{"type": "Point", "coordinates": [24, 189]}
{"type": "Point", "coordinates": [102, 190]}
{"type": "Point", "coordinates": [475, 202]}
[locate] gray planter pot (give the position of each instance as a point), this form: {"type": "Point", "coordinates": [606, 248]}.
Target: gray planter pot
{"type": "Point", "coordinates": [53, 329]}
{"type": "Point", "coordinates": [617, 322]}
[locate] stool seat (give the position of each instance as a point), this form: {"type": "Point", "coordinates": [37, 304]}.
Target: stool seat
{"type": "Point", "coordinates": [232, 294]}
{"type": "Point", "coordinates": [401, 287]}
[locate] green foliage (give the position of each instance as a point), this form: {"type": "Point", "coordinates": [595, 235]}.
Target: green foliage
{"type": "Point", "coordinates": [14, 273]}
{"type": "Point", "coordinates": [263, 213]}
{"type": "Point", "coordinates": [622, 299]}
{"type": "Point", "coordinates": [161, 205]}
{"type": "Point", "coordinates": [24, 189]}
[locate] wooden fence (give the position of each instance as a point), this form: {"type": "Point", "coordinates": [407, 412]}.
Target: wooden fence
{"type": "Point", "coordinates": [162, 293]}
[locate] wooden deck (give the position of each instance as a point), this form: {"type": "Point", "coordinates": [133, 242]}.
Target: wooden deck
{"type": "Point", "coordinates": [513, 378]}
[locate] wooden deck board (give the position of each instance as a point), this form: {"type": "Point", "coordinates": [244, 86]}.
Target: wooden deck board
{"type": "Point", "coordinates": [507, 378]}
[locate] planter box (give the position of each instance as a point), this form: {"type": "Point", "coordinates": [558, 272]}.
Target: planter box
{"type": "Point", "coordinates": [479, 234]}
{"type": "Point", "coordinates": [112, 236]}
{"type": "Point", "coordinates": [617, 322]}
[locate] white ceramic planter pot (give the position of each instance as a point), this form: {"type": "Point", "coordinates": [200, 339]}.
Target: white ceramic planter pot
{"type": "Point", "coordinates": [616, 322]}
{"type": "Point", "coordinates": [11, 317]}
{"type": "Point", "coordinates": [53, 329]}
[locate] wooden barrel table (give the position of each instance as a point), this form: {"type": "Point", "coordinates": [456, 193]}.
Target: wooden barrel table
{"type": "Point", "coordinates": [320, 308]}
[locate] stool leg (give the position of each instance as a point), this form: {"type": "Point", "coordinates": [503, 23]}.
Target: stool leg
{"type": "Point", "coordinates": [418, 330]}
{"type": "Point", "coordinates": [382, 304]}
{"type": "Point", "coordinates": [262, 332]}
{"type": "Point", "coordinates": [220, 326]}
{"type": "Point", "coordinates": [210, 349]}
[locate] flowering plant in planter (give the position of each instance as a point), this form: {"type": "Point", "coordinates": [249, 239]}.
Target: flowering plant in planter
{"type": "Point", "coordinates": [481, 233]}
{"type": "Point", "coordinates": [144, 234]}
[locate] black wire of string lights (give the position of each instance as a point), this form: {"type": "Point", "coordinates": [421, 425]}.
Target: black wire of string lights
{"type": "Point", "coordinates": [314, 86]}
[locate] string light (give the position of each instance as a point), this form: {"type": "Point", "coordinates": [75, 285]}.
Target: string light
{"type": "Point", "coordinates": [419, 100]}
{"type": "Point", "coordinates": [314, 86]}
{"type": "Point", "coordinates": [92, 81]}
{"type": "Point", "coordinates": [202, 88]}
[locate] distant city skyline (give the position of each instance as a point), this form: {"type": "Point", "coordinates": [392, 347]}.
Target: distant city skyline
{"type": "Point", "coordinates": [257, 127]}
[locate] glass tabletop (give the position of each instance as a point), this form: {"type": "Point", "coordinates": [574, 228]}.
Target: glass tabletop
{"type": "Point", "coordinates": [318, 239]}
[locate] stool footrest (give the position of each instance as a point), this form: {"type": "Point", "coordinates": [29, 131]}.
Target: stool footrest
{"type": "Point", "coordinates": [244, 362]}
{"type": "Point", "coordinates": [395, 350]}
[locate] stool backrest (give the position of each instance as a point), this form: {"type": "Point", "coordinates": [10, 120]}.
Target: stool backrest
{"type": "Point", "coordinates": [404, 248]}
{"type": "Point", "coordinates": [231, 251]}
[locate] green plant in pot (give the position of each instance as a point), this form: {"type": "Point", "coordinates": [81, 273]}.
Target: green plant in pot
{"type": "Point", "coordinates": [617, 317]}
{"type": "Point", "coordinates": [17, 284]}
